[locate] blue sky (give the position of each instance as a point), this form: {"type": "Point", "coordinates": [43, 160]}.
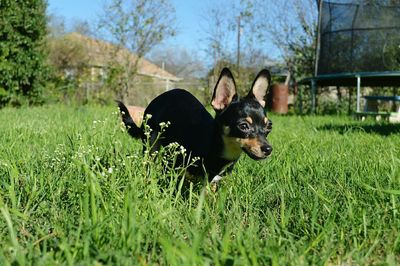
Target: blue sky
{"type": "Point", "coordinates": [75, 9]}
{"type": "Point", "coordinates": [188, 16]}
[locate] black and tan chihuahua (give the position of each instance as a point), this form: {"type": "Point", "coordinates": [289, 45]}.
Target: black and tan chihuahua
{"type": "Point", "coordinates": [239, 124]}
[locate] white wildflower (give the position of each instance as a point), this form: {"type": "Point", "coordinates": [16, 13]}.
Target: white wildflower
{"type": "Point", "coordinates": [182, 150]}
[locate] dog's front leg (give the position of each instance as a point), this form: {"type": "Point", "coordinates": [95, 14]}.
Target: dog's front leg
{"type": "Point", "coordinates": [214, 183]}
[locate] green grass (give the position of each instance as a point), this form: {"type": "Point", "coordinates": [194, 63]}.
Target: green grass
{"type": "Point", "coordinates": [75, 189]}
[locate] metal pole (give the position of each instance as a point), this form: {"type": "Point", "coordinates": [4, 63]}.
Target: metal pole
{"type": "Point", "coordinates": [238, 47]}
{"type": "Point", "coordinates": [313, 95]}
{"type": "Point", "coordinates": [358, 93]}
{"type": "Point", "coordinates": [318, 46]}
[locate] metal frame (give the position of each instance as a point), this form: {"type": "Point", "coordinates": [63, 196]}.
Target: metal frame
{"type": "Point", "coordinates": [381, 79]}
{"type": "Point", "coordinates": [348, 79]}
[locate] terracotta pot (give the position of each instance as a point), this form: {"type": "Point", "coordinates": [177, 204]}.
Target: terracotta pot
{"type": "Point", "coordinates": [280, 97]}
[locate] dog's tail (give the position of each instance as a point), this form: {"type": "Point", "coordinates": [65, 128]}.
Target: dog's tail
{"type": "Point", "coordinates": [131, 127]}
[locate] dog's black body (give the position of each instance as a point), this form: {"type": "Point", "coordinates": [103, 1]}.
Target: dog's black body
{"type": "Point", "coordinates": [238, 124]}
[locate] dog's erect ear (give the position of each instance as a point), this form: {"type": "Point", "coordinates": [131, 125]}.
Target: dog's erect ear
{"type": "Point", "coordinates": [260, 86]}
{"type": "Point", "coordinates": [224, 91]}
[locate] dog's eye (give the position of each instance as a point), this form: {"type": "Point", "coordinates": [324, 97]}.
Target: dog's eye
{"type": "Point", "coordinates": [244, 127]}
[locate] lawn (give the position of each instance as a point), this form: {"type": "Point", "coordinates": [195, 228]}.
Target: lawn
{"type": "Point", "coordinates": [75, 189]}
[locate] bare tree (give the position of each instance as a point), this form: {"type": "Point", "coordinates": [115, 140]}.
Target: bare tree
{"type": "Point", "coordinates": [178, 61]}
{"type": "Point", "coordinates": [234, 37]}
{"type": "Point", "coordinates": [245, 27]}
{"type": "Point", "coordinates": [55, 25]}
{"type": "Point", "coordinates": [217, 29]}
{"type": "Point", "coordinates": [82, 27]}
{"type": "Point", "coordinates": [242, 29]}
{"type": "Point", "coordinates": [291, 26]}
{"type": "Point", "coordinates": [136, 25]}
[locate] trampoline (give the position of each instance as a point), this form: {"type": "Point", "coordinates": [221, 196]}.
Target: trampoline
{"type": "Point", "coordinates": [358, 44]}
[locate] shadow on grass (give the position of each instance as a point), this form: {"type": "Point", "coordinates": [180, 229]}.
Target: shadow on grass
{"type": "Point", "coordinates": [381, 129]}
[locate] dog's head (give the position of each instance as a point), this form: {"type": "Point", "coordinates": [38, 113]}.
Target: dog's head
{"type": "Point", "coordinates": [243, 121]}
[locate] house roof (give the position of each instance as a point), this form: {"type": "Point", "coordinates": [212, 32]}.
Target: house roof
{"type": "Point", "coordinates": [99, 54]}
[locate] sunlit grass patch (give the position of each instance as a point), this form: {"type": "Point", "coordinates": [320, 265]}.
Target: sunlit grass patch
{"type": "Point", "coordinates": [75, 188]}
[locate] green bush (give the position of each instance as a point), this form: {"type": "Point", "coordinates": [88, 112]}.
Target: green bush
{"type": "Point", "coordinates": [22, 67]}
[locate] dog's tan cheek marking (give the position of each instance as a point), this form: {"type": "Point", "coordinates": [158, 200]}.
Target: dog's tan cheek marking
{"type": "Point", "coordinates": [248, 119]}
{"type": "Point", "coordinates": [252, 144]}
{"type": "Point", "coordinates": [265, 120]}
{"type": "Point", "coordinates": [249, 142]}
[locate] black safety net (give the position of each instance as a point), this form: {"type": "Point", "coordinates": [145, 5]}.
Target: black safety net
{"type": "Point", "coordinates": [359, 36]}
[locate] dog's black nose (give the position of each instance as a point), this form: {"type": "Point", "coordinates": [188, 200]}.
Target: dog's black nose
{"type": "Point", "coordinates": [266, 149]}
